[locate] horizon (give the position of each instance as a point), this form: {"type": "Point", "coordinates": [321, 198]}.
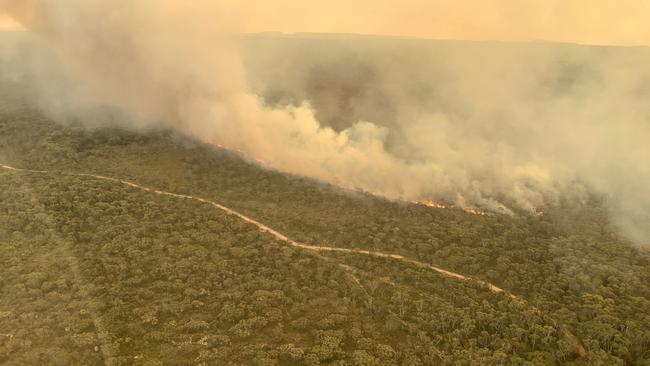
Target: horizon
{"type": "Point", "coordinates": [575, 21]}
{"type": "Point", "coordinates": [17, 28]}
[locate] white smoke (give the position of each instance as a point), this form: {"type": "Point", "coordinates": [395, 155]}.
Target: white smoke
{"type": "Point", "coordinates": [503, 130]}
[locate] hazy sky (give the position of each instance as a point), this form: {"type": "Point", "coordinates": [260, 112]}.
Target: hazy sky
{"type": "Point", "coordinates": [7, 23]}
{"type": "Point", "coordinates": [622, 22]}
{"type": "Point", "coordinates": [492, 127]}
{"type": "Point", "coordinates": [585, 21]}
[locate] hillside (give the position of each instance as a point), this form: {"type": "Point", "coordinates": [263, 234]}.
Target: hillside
{"type": "Point", "coordinates": [97, 271]}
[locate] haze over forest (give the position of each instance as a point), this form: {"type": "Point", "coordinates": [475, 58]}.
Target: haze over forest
{"type": "Point", "coordinates": [359, 183]}
{"type": "Point", "coordinates": [502, 127]}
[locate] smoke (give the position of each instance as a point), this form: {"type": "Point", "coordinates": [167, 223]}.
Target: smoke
{"type": "Point", "coordinates": [576, 21]}
{"type": "Point", "coordinates": [498, 126]}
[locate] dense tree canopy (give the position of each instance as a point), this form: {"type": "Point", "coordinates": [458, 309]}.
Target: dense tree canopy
{"type": "Point", "coordinates": [94, 271]}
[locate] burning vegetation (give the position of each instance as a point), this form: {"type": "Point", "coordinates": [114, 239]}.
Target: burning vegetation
{"type": "Point", "coordinates": [434, 204]}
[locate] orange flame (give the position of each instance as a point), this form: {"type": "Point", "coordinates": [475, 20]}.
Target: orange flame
{"type": "Point", "coordinates": [258, 159]}
{"type": "Point", "coordinates": [427, 203]}
{"type": "Point", "coordinates": [475, 211]}
{"type": "Point", "coordinates": [434, 204]}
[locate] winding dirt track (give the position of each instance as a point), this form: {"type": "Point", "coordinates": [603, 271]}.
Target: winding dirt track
{"type": "Point", "coordinates": [278, 235]}
{"type": "Point", "coordinates": [317, 248]}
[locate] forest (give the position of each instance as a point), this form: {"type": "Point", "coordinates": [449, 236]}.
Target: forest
{"type": "Point", "coordinates": [97, 272]}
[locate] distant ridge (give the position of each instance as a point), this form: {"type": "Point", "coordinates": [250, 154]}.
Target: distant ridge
{"type": "Point", "coordinates": [376, 37]}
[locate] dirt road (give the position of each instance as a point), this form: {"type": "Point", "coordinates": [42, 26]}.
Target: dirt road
{"type": "Point", "coordinates": [316, 248]}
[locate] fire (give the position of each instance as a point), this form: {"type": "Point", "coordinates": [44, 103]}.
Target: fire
{"type": "Point", "coordinates": [427, 203]}
{"type": "Point", "coordinates": [475, 211]}
{"type": "Point", "coordinates": [258, 159]}
{"type": "Point", "coordinates": [434, 204]}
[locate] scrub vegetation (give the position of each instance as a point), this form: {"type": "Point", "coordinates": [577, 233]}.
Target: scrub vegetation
{"type": "Point", "coordinates": [96, 272]}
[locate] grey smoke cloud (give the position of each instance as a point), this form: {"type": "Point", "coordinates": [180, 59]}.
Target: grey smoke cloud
{"type": "Point", "coordinates": [499, 126]}
{"type": "Point", "coordinates": [515, 122]}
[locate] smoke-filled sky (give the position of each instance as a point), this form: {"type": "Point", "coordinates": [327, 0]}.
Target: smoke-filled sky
{"type": "Point", "coordinates": [7, 23]}
{"type": "Point", "coordinates": [622, 22]}
{"type": "Point", "coordinates": [583, 21]}
{"type": "Point", "coordinates": [494, 125]}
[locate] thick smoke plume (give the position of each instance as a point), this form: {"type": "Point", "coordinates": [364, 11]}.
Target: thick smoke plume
{"type": "Point", "coordinates": [499, 126]}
